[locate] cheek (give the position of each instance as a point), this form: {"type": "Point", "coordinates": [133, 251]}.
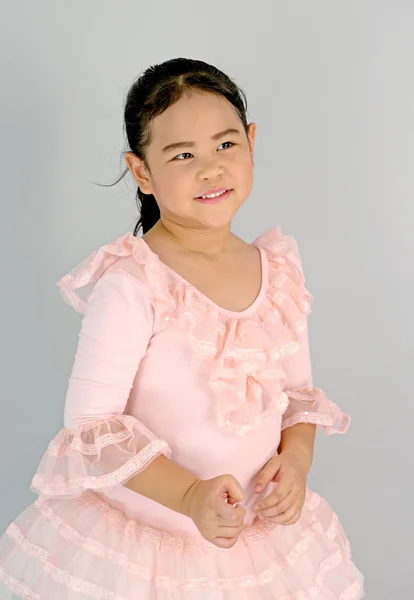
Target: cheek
{"type": "Point", "coordinates": [177, 179]}
{"type": "Point", "coordinates": [174, 189]}
{"type": "Point", "coordinates": [244, 166]}
{"type": "Point", "coordinates": [245, 174]}
{"type": "Point", "coordinates": [167, 186]}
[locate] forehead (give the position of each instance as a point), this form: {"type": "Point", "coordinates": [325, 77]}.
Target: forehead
{"type": "Point", "coordinates": [193, 116]}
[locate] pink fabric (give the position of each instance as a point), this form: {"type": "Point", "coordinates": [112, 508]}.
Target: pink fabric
{"type": "Point", "coordinates": [160, 368]}
{"type": "Point", "coordinates": [87, 549]}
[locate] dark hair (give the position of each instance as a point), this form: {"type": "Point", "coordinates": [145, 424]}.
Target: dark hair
{"type": "Point", "coordinates": [159, 87]}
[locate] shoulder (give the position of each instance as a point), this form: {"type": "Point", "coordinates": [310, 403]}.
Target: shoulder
{"type": "Point", "coordinates": [279, 246]}
{"type": "Point", "coordinates": [117, 268]}
{"type": "Point", "coordinates": [285, 272]}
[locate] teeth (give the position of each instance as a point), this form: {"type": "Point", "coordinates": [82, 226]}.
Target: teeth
{"type": "Point", "coordinates": [214, 195]}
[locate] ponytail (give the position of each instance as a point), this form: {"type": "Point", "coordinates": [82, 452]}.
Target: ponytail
{"type": "Point", "coordinates": [149, 211]}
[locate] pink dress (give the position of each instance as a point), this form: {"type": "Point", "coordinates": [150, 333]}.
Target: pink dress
{"type": "Point", "coordinates": [161, 369]}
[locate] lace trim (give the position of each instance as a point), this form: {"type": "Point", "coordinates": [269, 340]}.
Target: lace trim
{"type": "Point", "coordinates": [185, 544]}
{"type": "Point", "coordinates": [315, 590]}
{"type": "Point", "coordinates": [102, 441]}
{"type": "Point", "coordinates": [238, 352]}
{"type": "Point", "coordinates": [99, 593]}
{"type": "Point", "coordinates": [17, 587]}
{"type": "Point", "coordinates": [101, 550]}
{"type": "Point", "coordinates": [72, 583]}
{"type": "Point", "coordinates": [315, 419]}
{"type": "Point", "coordinates": [332, 532]}
{"type": "Point", "coordinates": [354, 591]}
{"type": "Point", "coordinates": [307, 417]}
{"type": "Point", "coordinates": [309, 404]}
{"type": "Point", "coordinates": [123, 473]}
{"type": "Point", "coordinates": [241, 354]}
{"type": "Point", "coordinates": [122, 560]}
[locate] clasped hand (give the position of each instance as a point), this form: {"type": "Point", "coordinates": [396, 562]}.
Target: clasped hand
{"type": "Point", "coordinates": [284, 505]}
{"type": "Point", "coordinates": [213, 504]}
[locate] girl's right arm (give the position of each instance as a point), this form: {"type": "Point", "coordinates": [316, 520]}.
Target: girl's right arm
{"type": "Point", "coordinates": [114, 337]}
{"type": "Point", "coordinates": [100, 446]}
{"type": "Point", "coordinates": [201, 500]}
{"type": "Point", "coordinates": [166, 483]}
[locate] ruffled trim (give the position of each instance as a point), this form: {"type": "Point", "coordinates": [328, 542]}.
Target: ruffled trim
{"type": "Point", "coordinates": [310, 405]}
{"type": "Point", "coordinates": [242, 355]}
{"type": "Point", "coordinates": [77, 285]}
{"type": "Point", "coordinates": [96, 455]}
{"type": "Point", "coordinates": [86, 548]}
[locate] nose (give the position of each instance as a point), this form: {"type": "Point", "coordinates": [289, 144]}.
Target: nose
{"type": "Point", "coordinates": [210, 168]}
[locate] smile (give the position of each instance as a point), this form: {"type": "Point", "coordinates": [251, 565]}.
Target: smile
{"type": "Point", "coordinates": [214, 198]}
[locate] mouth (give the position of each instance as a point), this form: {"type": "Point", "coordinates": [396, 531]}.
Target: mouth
{"type": "Point", "coordinates": [214, 199]}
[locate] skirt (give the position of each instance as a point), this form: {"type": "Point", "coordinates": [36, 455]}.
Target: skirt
{"type": "Point", "coordinates": [82, 548]}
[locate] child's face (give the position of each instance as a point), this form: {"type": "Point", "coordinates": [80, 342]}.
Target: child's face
{"type": "Point", "coordinates": [179, 175]}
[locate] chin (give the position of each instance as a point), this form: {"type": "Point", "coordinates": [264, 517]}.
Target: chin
{"type": "Point", "coordinates": [217, 215]}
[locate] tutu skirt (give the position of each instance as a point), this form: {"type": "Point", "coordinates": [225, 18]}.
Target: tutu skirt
{"type": "Point", "coordinates": [83, 548]}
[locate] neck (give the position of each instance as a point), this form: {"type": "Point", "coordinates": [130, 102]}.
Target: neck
{"type": "Point", "coordinates": [213, 241]}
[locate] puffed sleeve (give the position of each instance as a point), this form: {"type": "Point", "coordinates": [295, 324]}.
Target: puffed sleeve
{"type": "Point", "coordinates": [100, 446]}
{"type": "Point", "coordinates": [306, 403]}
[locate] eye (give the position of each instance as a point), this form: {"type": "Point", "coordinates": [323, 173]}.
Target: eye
{"type": "Point", "coordinates": [189, 153]}
{"type": "Point", "coordinates": [227, 143]}
{"type": "Point", "coordinates": [182, 154]}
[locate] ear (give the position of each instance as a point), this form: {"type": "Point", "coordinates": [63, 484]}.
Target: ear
{"type": "Point", "coordinates": [139, 172]}
{"type": "Point", "coordinates": [251, 137]}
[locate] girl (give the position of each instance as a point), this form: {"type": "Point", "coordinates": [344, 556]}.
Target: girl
{"type": "Point", "coordinates": [190, 413]}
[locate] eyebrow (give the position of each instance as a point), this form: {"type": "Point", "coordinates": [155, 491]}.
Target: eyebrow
{"type": "Point", "coordinates": [216, 136]}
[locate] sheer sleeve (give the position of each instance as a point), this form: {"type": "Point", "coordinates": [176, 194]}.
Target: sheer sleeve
{"type": "Point", "coordinates": [307, 403]}
{"type": "Point", "coordinates": [100, 446]}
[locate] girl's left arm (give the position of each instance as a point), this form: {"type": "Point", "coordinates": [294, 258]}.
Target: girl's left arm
{"type": "Point", "coordinates": [307, 403]}
{"type": "Point", "coordinates": [308, 408]}
{"type": "Point", "coordinates": [289, 470]}
{"type": "Point", "coordinates": [299, 440]}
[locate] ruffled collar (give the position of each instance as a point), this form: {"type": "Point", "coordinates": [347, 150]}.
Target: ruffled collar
{"type": "Point", "coordinates": [175, 280]}
{"type": "Point", "coordinates": [240, 351]}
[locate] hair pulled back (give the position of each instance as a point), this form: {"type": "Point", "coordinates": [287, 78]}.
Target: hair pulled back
{"type": "Point", "coordinates": [159, 87]}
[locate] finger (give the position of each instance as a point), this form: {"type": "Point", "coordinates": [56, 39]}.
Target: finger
{"type": "Point", "coordinates": [299, 508]}
{"type": "Point", "coordinates": [230, 532]}
{"type": "Point", "coordinates": [284, 505]}
{"type": "Point", "coordinates": [224, 510]}
{"type": "Point", "coordinates": [285, 483]}
{"type": "Point", "coordinates": [235, 518]}
{"type": "Point", "coordinates": [278, 494]}
{"type": "Point", "coordinates": [229, 513]}
{"type": "Point", "coordinates": [291, 515]}
{"type": "Point", "coordinates": [234, 490]}
{"type": "Point", "coordinates": [257, 520]}
{"type": "Point", "coordinates": [293, 520]}
{"type": "Point", "coordinates": [276, 509]}
{"type": "Point", "coordinates": [295, 496]}
{"type": "Point", "coordinates": [232, 501]}
{"type": "Point", "coordinates": [240, 511]}
{"type": "Point", "coordinates": [267, 474]}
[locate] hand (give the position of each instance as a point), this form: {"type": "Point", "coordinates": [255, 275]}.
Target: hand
{"type": "Point", "coordinates": [284, 505]}
{"type": "Point", "coordinates": [210, 505]}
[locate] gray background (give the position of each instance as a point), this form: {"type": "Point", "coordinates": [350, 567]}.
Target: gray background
{"type": "Point", "coordinates": [330, 86]}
